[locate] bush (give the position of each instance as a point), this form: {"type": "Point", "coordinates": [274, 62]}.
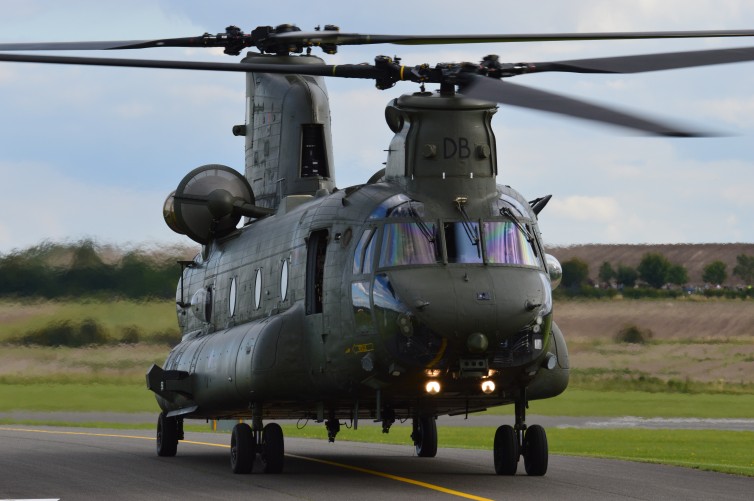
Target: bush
{"type": "Point", "coordinates": [634, 335]}
{"type": "Point", "coordinates": [66, 333]}
{"type": "Point", "coordinates": [130, 334]}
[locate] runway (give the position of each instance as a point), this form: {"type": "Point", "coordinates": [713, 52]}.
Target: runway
{"type": "Point", "coordinates": [71, 463]}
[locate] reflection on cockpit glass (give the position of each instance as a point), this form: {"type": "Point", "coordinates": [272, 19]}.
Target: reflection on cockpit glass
{"type": "Point", "coordinates": [407, 243]}
{"type": "Point", "coordinates": [463, 242]}
{"type": "Point", "coordinates": [384, 295]}
{"type": "Point", "coordinates": [505, 243]}
{"type": "Point", "coordinates": [363, 254]}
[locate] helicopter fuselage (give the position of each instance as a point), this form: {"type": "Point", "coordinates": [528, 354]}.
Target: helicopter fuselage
{"type": "Point", "coordinates": [349, 304]}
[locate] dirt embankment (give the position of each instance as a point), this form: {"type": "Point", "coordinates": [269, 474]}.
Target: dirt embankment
{"type": "Point", "coordinates": [700, 340]}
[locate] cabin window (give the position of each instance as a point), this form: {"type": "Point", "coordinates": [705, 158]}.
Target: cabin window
{"type": "Point", "coordinates": [506, 243]}
{"type": "Point", "coordinates": [232, 297]}
{"type": "Point", "coordinates": [258, 289]}
{"type": "Point", "coordinates": [408, 244]}
{"type": "Point", "coordinates": [284, 280]}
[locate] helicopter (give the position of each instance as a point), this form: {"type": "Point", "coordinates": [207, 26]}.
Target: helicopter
{"type": "Point", "coordinates": [425, 291]}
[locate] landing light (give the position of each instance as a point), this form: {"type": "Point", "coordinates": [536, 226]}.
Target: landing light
{"type": "Point", "coordinates": [432, 387]}
{"type": "Point", "coordinates": [488, 386]}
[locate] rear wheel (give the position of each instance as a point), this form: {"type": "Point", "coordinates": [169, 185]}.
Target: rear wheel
{"type": "Point", "coordinates": [242, 449]}
{"type": "Point", "coordinates": [505, 451]}
{"type": "Point", "coordinates": [167, 435]}
{"type": "Point", "coordinates": [425, 437]}
{"type": "Point", "coordinates": [273, 448]}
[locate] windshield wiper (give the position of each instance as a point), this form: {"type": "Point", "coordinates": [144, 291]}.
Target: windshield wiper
{"type": "Point", "coordinates": [471, 232]}
{"type": "Point", "coordinates": [426, 231]}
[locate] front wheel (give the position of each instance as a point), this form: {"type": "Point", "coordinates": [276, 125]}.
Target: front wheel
{"type": "Point", "coordinates": [535, 451]}
{"type": "Point", "coordinates": [505, 450]}
{"type": "Point", "coordinates": [425, 437]}
{"type": "Point", "coordinates": [273, 448]}
{"type": "Point", "coordinates": [242, 449]}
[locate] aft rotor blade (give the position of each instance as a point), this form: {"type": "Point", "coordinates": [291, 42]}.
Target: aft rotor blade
{"type": "Point", "coordinates": [346, 70]}
{"type": "Point", "coordinates": [337, 38]}
{"type": "Point", "coordinates": [646, 62]}
{"type": "Point", "coordinates": [527, 97]}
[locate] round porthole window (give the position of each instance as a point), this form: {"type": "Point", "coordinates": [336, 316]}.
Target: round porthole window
{"type": "Point", "coordinates": [258, 289]}
{"type": "Point", "coordinates": [284, 280]}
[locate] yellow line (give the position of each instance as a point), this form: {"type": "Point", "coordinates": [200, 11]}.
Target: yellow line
{"type": "Point", "coordinates": [397, 478]}
{"type": "Point", "coordinates": [394, 477]}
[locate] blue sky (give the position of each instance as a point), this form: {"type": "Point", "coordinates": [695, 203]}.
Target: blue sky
{"type": "Point", "coordinates": [92, 152]}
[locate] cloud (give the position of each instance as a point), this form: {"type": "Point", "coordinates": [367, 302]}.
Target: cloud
{"type": "Point", "coordinates": [584, 208]}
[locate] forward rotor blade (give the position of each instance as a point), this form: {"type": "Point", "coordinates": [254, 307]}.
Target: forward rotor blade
{"type": "Point", "coordinates": [346, 70]}
{"type": "Point", "coordinates": [647, 62]}
{"type": "Point", "coordinates": [526, 97]}
{"type": "Point", "coordinates": [337, 38]}
{"type": "Point", "coordinates": [106, 45]}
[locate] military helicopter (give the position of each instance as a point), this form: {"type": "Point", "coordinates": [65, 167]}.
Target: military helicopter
{"type": "Point", "coordinates": [425, 291]}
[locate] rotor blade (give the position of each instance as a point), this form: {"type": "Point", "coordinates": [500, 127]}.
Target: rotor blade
{"type": "Point", "coordinates": [337, 38]}
{"type": "Point", "coordinates": [527, 97]}
{"type": "Point", "coordinates": [346, 70]}
{"type": "Point", "coordinates": [647, 62]}
{"type": "Point", "coordinates": [107, 45]}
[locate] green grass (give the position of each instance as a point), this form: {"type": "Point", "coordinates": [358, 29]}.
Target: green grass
{"type": "Point", "coordinates": [579, 402]}
{"type": "Point", "coordinates": [79, 397]}
{"type": "Point", "coordinates": [722, 451]}
{"type": "Point", "coordinates": [150, 316]}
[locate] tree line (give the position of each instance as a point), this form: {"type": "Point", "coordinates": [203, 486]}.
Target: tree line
{"type": "Point", "coordinates": [656, 272]}
{"type": "Point", "coordinates": [56, 270]}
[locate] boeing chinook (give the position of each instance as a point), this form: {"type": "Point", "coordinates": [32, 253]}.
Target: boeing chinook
{"type": "Point", "coordinates": [425, 291]}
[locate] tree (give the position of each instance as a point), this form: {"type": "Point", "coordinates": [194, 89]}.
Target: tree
{"type": "Point", "coordinates": [626, 275]}
{"type": "Point", "coordinates": [654, 269]}
{"type": "Point", "coordinates": [606, 273]}
{"type": "Point", "coordinates": [745, 268]}
{"type": "Point", "coordinates": [714, 273]}
{"type": "Point", "coordinates": [575, 272]}
{"type": "Point", "coordinates": [677, 275]}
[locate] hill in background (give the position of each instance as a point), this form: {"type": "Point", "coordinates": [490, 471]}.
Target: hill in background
{"type": "Point", "coordinates": [694, 257]}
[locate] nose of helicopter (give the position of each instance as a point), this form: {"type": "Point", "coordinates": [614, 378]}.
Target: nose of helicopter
{"type": "Point", "coordinates": [460, 303]}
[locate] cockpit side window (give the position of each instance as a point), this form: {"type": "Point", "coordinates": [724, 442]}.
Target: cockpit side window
{"type": "Point", "coordinates": [362, 256]}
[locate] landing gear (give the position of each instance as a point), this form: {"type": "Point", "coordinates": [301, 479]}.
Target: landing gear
{"type": "Point", "coordinates": [424, 436]}
{"type": "Point", "coordinates": [242, 448]}
{"type": "Point", "coordinates": [169, 431]}
{"type": "Point", "coordinates": [248, 441]}
{"type": "Point", "coordinates": [513, 442]}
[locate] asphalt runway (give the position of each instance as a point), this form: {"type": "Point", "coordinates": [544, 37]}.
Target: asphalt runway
{"type": "Point", "coordinates": [72, 463]}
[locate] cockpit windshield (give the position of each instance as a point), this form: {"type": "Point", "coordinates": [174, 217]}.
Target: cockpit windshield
{"type": "Point", "coordinates": [408, 243]}
{"type": "Point", "coordinates": [506, 243]}
{"type": "Point", "coordinates": [406, 238]}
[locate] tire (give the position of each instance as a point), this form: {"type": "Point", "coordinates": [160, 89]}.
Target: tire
{"type": "Point", "coordinates": [167, 436]}
{"type": "Point", "coordinates": [426, 442]}
{"type": "Point", "coordinates": [535, 451]}
{"type": "Point", "coordinates": [273, 448]}
{"type": "Point", "coordinates": [505, 451]}
{"type": "Point", "coordinates": [242, 449]}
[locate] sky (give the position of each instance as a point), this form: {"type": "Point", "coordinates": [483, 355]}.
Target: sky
{"type": "Point", "coordinates": [92, 152]}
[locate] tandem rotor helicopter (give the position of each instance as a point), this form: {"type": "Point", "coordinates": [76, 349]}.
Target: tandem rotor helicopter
{"type": "Point", "coordinates": [425, 291]}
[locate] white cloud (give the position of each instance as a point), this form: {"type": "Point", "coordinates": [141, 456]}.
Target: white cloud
{"type": "Point", "coordinates": [583, 208]}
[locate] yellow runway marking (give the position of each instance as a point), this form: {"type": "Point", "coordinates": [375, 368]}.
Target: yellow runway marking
{"type": "Point", "coordinates": [367, 471]}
